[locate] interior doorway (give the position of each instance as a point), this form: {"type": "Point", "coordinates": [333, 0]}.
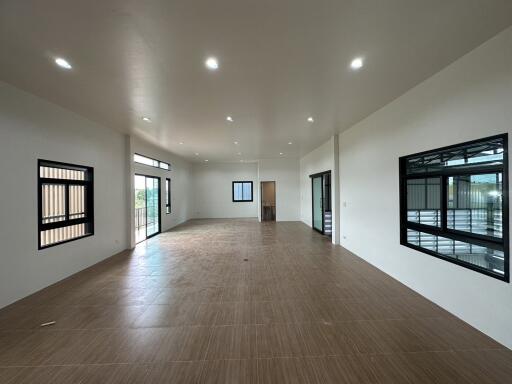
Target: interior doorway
{"type": "Point", "coordinates": [321, 202]}
{"type": "Point", "coordinates": [268, 201]}
{"type": "Point", "coordinates": [147, 207]}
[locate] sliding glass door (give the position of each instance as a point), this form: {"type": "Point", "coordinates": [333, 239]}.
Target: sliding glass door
{"type": "Point", "coordinates": [321, 202]}
{"type": "Point", "coordinates": [147, 207]}
{"type": "Point", "coordinates": [318, 222]}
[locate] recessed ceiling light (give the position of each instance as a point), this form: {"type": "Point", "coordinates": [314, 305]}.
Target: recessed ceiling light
{"type": "Point", "coordinates": [290, 143]}
{"type": "Point", "coordinates": [181, 142]}
{"type": "Point", "coordinates": [230, 119]}
{"type": "Point", "coordinates": [206, 160]}
{"type": "Point", "coordinates": [146, 119]}
{"type": "Point", "coordinates": [239, 153]}
{"type": "Point", "coordinates": [63, 63]}
{"type": "Point", "coordinates": [357, 63]}
{"type": "Point", "coordinates": [197, 154]}
{"type": "Point", "coordinates": [310, 119]}
{"type": "Point", "coordinates": [212, 63]}
{"type": "Point", "coordinates": [235, 142]}
{"type": "Point", "coordinates": [281, 153]}
{"type": "Point", "coordinates": [241, 161]}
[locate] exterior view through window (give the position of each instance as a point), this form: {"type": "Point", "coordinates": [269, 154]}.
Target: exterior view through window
{"type": "Point", "coordinates": [65, 208]}
{"type": "Point", "coordinates": [147, 207]}
{"type": "Point", "coordinates": [242, 191]}
{"type": "Point", "coordinates": [454, 204]}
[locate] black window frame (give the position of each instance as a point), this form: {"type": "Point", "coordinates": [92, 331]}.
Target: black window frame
{"type": "Point", "coordinates": [453, 234]}
{"type": "Point", "coordinates": [89, 201]}
{"type": "Point", "coordinates": [153, 166]}
{"type": "Point", "coordinates": [233, 191]}
{"type": "Point", "coordinates": [167, 195]}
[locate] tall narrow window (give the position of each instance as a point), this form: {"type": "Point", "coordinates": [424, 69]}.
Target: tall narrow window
{"type": "Point", "coordinates": [242, 191]}
{"type": "Point", "coordinates": [454, 204]}
{"type": "Point", "coordinates": [65, 209]}
{"type": "Point", "coordinates": [167, 195]}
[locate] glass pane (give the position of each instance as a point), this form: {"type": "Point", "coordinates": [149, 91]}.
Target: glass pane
{"type": "Point", "coordinates": [145, 160]}
{"type": "Point", "coordinates": [164, 165]}
{"type": "Point", "coordinates": [46, 171]}
{"type": "Point", "coordinates": [486, 258]}
{"type": "Point", "coordinates": [152, 202]}
{"type": "Point", "coordinates": [480, 154]}
{"type": "Point", "coordinates": [167, 181]}
{"type": "Point", "coordinates": [53, 203]}
{"type": "Point", "coordinates": [140, 208]}
{"type": "Point", "coordinates": [317, 203]}
{"type": "Point", "coordinates": [76, 197]}
{"type": "Point", "coordinates": [424, 201]}
{"type": "Point", "coordinates": [238, 195]}
{"type": "Point", "coordinates": [247, 191]}
{"type": "Point", "coordinates": [58, 235]}
{"type": "Point", "coordinates": [475, 204]}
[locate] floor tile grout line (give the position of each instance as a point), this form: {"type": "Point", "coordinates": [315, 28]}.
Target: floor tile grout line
{"type": "Point", "coordinates": [160, 362]}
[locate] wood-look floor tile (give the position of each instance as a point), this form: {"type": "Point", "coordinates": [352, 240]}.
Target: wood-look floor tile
{"type": "Point", "coordinates": [484, 366]}
{"type": "Point", "coordinates": [184, 307]}
{"type": "Point", "coordinates": [229, 372]}
{"type": "Point", "coordinates": [175, 372]}
{"type": "Point", "coordinates": [166, 315]}
{"type": "Point", "coordinates": [7, 375]}
{"type": "Point", "coordinates": [129, 374]}
{"type": "Point", "coordinates": [456, 333]}
{"type": "Point", "coordinates": [192, 342]}
{"type": "Point", "coordinates": [231, 342]}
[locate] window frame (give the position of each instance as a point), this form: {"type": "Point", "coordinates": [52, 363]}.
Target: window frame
{"type": "Point", "coordinates": [167, 195]}
{"type": "Point", "coordinates": [89, 200]}
{"type": "Point", "coordinates": [233, 191]}
{"type": "Point", "coordinates": [159, 162]}
{"type": "Point", "coordinates": [454, 234]}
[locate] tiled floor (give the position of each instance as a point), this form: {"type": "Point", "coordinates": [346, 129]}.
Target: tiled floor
{"type": "Point", "coordinates": [235, 301]}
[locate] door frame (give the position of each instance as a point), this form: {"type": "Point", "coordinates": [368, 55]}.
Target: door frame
{"type": "Point", "coordinates": [159, 204]}
{"type": "Point", "coordinates": [313, 176]}
{"type": "Point", "coordinates": [261, 198]}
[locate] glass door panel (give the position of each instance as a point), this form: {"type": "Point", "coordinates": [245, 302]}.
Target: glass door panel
{"type": "Point", "coordinates": [147, 207]}
{"type": "Point", "coordinates": [317, 203]}
{"type": "Point", "coordinates": [153, 205]}
{"type": "Point", "coordinates": [140, 208]}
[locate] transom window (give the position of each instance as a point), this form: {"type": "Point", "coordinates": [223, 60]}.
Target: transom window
{"type": "Point", "coordinates": [151, 162]}
{"type": "Point", "coordinates": [242, 191]}
{"type": "Point", "coordinates": [454, 204]}
{"type": "Point", "coordinates": [65, 209]}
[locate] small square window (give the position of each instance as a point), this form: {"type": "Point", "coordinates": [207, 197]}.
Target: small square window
{"type": "Point", "coordinates": [242, 191]}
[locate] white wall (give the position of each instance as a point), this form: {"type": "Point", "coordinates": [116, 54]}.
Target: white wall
{"type": "Point", "coordinates": [285, 172]}
{"type": "Point", "coordinates": [470, 99]}
{"type": "Point", "coordinates": [31, 129]}
{"type": "Point", "coordinates": [180, 176]}
{"type": "Point", "coordinates": [212, 190]}
{"type": "Point", "coordinates": [319, 160]}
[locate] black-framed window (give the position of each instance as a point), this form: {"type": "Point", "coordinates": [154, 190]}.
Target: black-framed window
{"type": "Point", "coordinates": [65, 202]}
{"type": "Point", "coordinates": [167, 195]}
{"type": "Point", "coordinates": [454, 204]}
{"type": "Point", "coordinates": [151, 162]}
{"type": "Point", "coordinates": [242, 191]}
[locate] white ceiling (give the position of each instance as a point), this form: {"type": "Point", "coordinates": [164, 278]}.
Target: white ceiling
{"type": "Point", "coordinates": [280, 62]}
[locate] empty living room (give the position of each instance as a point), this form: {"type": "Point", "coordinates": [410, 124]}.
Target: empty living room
{"type": "Point", "coordinates": [253, 192]}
